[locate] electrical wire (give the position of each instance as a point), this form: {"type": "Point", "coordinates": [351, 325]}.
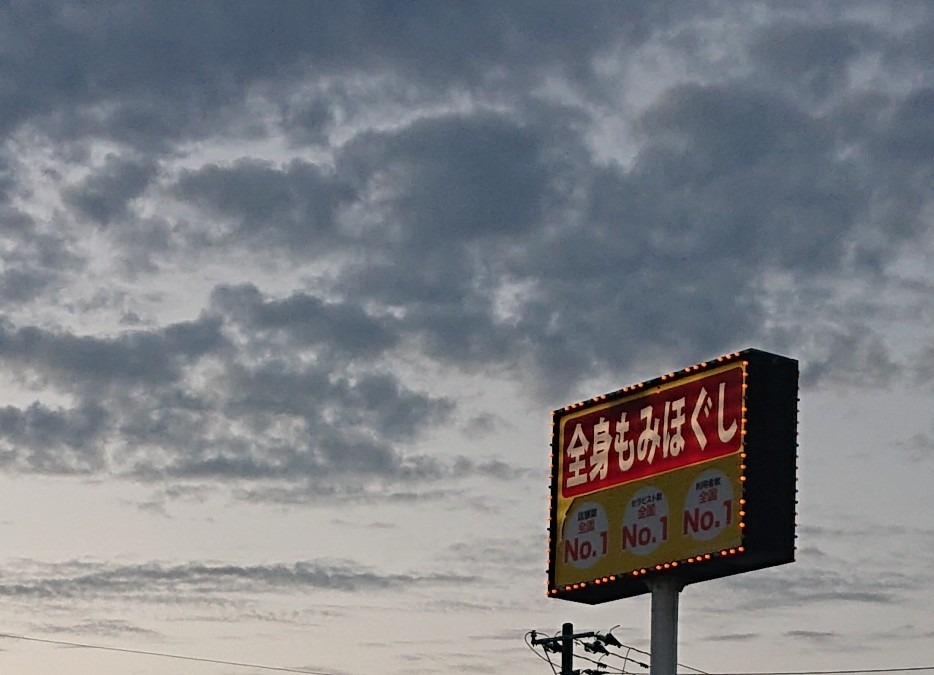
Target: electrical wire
{"type": "Point", "coordinates": [600, 664]}
{"type": "Point", "coordinates": [627, 659]}
{"type": "Point", "coordinates": [599, 661]}
{"type": "Point", "coordinates": [629, 648]}
{"type": "Point", "coordinates": [642, 651]}
{"type": "Point", "coordinates": [610, 669]}
{"type": "Point", "coordinates": [546, 657]}
{"type": "Point", "coordinates": [165, 655]}
{"type": "Point", "coordinates": [855, 671]}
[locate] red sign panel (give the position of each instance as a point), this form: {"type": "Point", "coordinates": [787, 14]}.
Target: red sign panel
{"type": "Point", "coordinates": [652, 432]}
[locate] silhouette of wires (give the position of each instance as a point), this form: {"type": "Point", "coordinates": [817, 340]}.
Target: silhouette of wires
{"type": "Point", "coordinates": [165, 655]}
{"type": "Point", "coordinates": [586, 651]}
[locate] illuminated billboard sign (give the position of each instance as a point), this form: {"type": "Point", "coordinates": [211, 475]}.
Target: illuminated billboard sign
{"type": "Point", "coordinates": [691, 474]}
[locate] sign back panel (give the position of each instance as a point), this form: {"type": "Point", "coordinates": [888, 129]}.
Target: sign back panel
{"type": "Point", "coordinates": [690, 474]}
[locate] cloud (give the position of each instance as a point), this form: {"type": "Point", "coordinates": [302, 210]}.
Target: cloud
{"type": "Point", "coordinates": [823, 585]}
{"type": "Point", "coordinates": [762, 174]}
{"type": "Point", "coordinates": [22, 285]}
{"type": "Point", "coordinates": [923, 365]}
{"type": "Point", "coordinates": [304, 320]}
{"type": "Point", "coordinates": [134, 357]}
{"type": "Point", "coordinates": [851, 357]}
{"type": "Point", "coordinates": [294, 391]}
{"type": "Point", "coordinates": [455, 178]}
{"type": "Point", "coordinates": [171, 75]}
{"type": "Point", "coordinates": [35, 258]}
{"type": "Point", "coordinates": [732, 637]}
{"type": "Point", "coordinates": [901, 632]}
{"type": "Point", "coordinates": [50, 440]}
{"type": "Point", "coordinates": [816, 60]}
{"type": "Point", "coordinates": [366, 216]}
{"type": "Point", "coordinates": [292, 207]}
{"type": "Point", "coordinates": [104, 196]}
{"type": "Point", "coordinates": [496, 553]}
{"type": "Point", "coordinates": [193, 581]}
{"type": "Point", "coordinates": [817, 636]}
{"type": "Point", "coordinates": [102, 627]}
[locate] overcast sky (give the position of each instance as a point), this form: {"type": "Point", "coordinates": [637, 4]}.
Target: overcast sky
{"type": "Point", "coordinates": [288, 291]}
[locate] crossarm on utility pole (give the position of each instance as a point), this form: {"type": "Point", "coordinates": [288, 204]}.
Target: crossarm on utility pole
{"type": "Point", "coordinates": [566, 640]}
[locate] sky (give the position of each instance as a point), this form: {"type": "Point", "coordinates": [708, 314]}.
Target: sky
{"type": "Point", "coordinates": [289, 290]}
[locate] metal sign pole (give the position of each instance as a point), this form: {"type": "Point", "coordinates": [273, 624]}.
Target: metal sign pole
{"type": "Point", "coordinates": [664, 637]}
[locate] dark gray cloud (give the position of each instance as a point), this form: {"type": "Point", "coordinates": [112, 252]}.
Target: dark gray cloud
{"type": "Point", "coordinates": [149, 75]}
{"type": "Point", "coordinates": [7, 177]}
{"type": "Point", "coordinates": [906, 136]}
{"type": "Point", "coordinates": [731, 183]}
{"type": "Point", "coordinates": [850, 356]}
{"type": "Point", "coordinates": [923, 365]}
{"type": "Point", "coordinates": [291, 207]}
{"type": "Point", "coordinates": [257, 389]}
{"type": "Point", "coordinates": [452, 204]}
{"type": "Point", "coordinates": [302, 319]}
{"type": "Point", "coordinates": [821, 637]}
{"type": "Point", "coordinates": [456, 179]}
{"type": "Point", "coordinates": [308, 122]}
{"type": "Point", "coordinates": [114, 628]}
{"type": "Point", "coordinates": [35, 259]}
{"type": "Point", "coordinates": [46, 440]}
{"type": "Point", "coordinates": [194, 582]}
{"type": "Point", "coordinates": [813, 59]}
{"type": "Point", "coordinates": [20, 284]}
{"type": "Point", "coordinates": [135, 358]}
{"type": "Point", "coordinates": [104, 196]}
{"type": "Point", "coordinates": [754, 178]}
{"type": "Point", "coordinates": [732, 637]}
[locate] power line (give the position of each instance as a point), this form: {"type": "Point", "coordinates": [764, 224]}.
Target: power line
{"type": "Point", "coordinates": [597, 646]}
{"type": "Point", "coordinates": [642, 651]}
{"type": "Point", "coordinates": [179, 657]}
{"type": "Point", "coordinates": [544, 657]}
{"type": "Point", "coordinates": [610, 670]}
{"type": "Point", "coordinates": [304, 671]}
{"type": "Point", "coordinates": [857, 671]}
{"type": "Point", "coordinates": [602, 637]}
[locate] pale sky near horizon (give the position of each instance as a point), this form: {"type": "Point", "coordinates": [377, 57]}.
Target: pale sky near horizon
{"type": "Point", "coordinates": [289, 290]}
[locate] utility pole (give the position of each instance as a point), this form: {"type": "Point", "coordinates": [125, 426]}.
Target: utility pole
{"type": "Point", "coordinates": [567, 649]}
{"type": "Point", "coordinates": [566, 641]}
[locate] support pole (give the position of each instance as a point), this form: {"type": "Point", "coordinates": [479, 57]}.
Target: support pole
{"type": "Point", "coordinates": [664, 625]}
{"type": "Point", "coordinates": [567, 649]}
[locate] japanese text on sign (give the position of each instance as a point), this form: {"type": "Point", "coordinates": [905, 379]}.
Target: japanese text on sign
{"type": "Point", "coordinates": [652, 432]}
